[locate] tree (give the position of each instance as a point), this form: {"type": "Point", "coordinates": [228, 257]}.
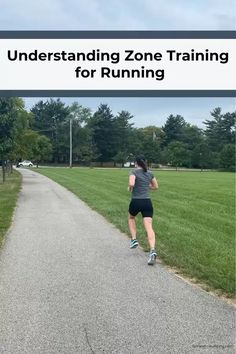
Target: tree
{"type": "Point", "coordinates": [178, 154]}
{"type": "Point", "coordinates": [81, 135]}
{"type": "Point", "coordinates": [35, 147]}
{"type": "Point", "coordinates": [227, 157]}
{"type": "Point", "coordinates": [151, 140]}
{"type": "Point", "coordinates": [50, 118]}
{"type": "Point", "coordinates": [44, 149]}
{"type": "Point", "coordinates": [173, 129]}
{"type": "Point", "coordinates": [220, 130]}
{"type": "Point", "coordinates": [122, 136]}
{"type": "Point", "coordinates": [14, 120]}
{"type": "Point", "coordinates": [228, 128]}
{"type": "Point", "coordinates": [201, 155]}
{"type": "Point", "coordinates": [79, 114]}
{"type": "Point", "coordinates": [136, 142]}
{"type": "Point", "coordinates": [193, 137]}
{"type": "Point", "coordinates": [121, 157]}
{"type": "Point", "coordinates": [10, 113]}
{"type": "Point", "coordinates": [103, 133]}
{"type": "Point", "coordinates": [84, 149]}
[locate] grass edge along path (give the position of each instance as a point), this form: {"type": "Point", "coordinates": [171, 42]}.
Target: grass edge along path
{"type": "Point", "coordinates": [193, 219]}
{"type": "Point", "coordinates": [9, 193]}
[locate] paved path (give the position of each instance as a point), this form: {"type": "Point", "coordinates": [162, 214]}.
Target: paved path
{"type": "Point", "coordinates": [70, 284]}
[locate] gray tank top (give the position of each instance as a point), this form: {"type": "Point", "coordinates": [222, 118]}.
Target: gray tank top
{"type": "Point", "coordinates": [142, 182]}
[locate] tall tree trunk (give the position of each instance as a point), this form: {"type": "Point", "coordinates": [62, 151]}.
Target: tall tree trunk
{"type": "Point", "coordinates": [3, 172]}
{"type": "Point", "coordinates": [8, 169]}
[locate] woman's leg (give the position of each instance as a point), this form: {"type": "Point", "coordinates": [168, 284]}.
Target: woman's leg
{"type": "Point", "coordinates": [132, 226]}
{"type": "Point", "coordinates": [147, 222]}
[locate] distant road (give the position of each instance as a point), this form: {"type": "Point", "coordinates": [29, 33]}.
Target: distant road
{"type": "Point", "coordinates": [70, 284]}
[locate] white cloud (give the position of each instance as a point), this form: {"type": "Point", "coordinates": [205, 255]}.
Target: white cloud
{"type": "Point", "coordinates": [117, 15]}
{"type": "Point", "coordinates": [66, 15]}
{"type": "Point", "coordinates": [198, 15]}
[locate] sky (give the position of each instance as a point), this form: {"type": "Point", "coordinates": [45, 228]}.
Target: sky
{"type": "Point", "coordinates": [154, 111]}
{"type": "Point", "coordinates": [129, 15]}
{"type": "Point", "coordinates": [117, 15]}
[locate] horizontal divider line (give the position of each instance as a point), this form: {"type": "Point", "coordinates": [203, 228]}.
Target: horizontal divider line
{"type": "Point", "coordinates": [118, 34]}
{"type": "Point", "coordinates": [118, 93]}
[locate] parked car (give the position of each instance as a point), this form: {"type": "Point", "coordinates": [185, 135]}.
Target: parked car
{"type": "Point", "coordinates": [25, 163]}
{"type": "Point", "coordinates": [129, 164]}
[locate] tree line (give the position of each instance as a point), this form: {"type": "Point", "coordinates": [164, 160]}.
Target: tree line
{"type": "Point", "coordinates": [42, 135]}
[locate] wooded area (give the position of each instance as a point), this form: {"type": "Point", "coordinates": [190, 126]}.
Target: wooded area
{"type": "Point", "coordinates": [42, 135]}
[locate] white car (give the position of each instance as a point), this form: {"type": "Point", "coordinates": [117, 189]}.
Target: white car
{"type": "Point", "coordinates": [25, 163]}
{"type": "Point", "coordinates": [129, 164]}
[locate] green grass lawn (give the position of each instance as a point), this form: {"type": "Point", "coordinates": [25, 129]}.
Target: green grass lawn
{"type": "Point", "coordinates": [194, 216]}
{"type": "Point", "coordinates": [8, 196]}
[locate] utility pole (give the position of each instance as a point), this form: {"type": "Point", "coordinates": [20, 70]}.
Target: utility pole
{"type": "Point", "coordinates": [70, 143]}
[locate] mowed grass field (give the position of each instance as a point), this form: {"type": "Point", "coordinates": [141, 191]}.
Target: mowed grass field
{"type": "Point", "coordinates": [9, 191]}
{"type": "Point", "coordinates": [194, 217]}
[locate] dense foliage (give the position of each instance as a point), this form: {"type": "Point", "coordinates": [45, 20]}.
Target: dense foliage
{"type": "Point", "coordinates": [43, 135]}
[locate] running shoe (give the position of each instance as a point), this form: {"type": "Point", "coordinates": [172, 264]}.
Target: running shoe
{"type": "Point", "coordinates": [152, 257]}
{"type": "Point", "coordinates": [134, 243]}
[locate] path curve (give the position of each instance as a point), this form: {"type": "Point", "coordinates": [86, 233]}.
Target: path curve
{"type": "Point", "coordinates": [70, 284]}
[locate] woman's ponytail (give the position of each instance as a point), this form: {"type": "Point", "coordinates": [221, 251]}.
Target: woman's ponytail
{"type": "Point", "coordinates": [142, 162]}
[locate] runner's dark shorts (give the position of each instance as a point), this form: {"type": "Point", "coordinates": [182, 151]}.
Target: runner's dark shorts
{"type": "Point", "coordinates": [141, 205]}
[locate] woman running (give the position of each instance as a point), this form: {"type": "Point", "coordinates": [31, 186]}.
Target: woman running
{"type": "Point", "coordinates": [140, 181]}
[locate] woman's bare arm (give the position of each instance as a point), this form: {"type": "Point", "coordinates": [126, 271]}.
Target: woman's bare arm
{"type": "Point", "coordinates": [131, 182]}
{"type": "Point", "coordinates": [154, 184]}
